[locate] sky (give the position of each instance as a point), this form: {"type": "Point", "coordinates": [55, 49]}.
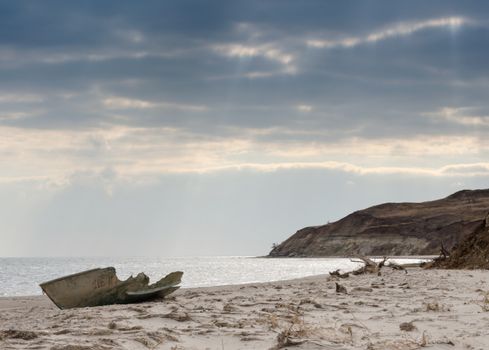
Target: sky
{"type": "Point", "coordinates": [177, 128]}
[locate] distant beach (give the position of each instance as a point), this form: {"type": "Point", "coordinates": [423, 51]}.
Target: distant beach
{"type": "Point", "coordinates": [434, 309]}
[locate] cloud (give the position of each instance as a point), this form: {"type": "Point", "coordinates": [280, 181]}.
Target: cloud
{"type": "Point", "coordinates": [394, 30]}
{"type": "Point", "coordinates": [149, 152]}
{"type": "Point", "coordinates": [237, 70]}
{"type": "Point", "coordinates": [304, 108]}
{"type": "Point", "coordinates": [128, 103]}
{"type": "Point", "coordinates": [125, 103]}
{"type": "Point", "coordinates": [460, 116]}
{"type": "Point", "coordinates": [267, 51]}
{"type": "Point", "coordinates": [15, 115]}
{"type": "Point", "coordinates": [158, 89]}
{"type": "Point", "coordinates": [20, 98]}
{"type": "Point", "coordinates": [476, 169]}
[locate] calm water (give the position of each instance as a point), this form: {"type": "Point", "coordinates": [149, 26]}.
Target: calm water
{"type": "Point", "coordinates": [21, 276]}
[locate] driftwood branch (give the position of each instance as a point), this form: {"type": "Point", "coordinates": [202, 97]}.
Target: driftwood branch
{"type": "Point", "coordinates": [440, 259]}
{"type": "Point", "coordinates": [337, 273]}
{"type": "Point", "coordinates": [443, 251]}
{"type": "Point", "coordinates": [370, 266]}
{"type": "Point", "coordinates": [395, 266]}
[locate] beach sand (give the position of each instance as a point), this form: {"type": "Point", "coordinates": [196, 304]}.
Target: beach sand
{"type": "Point", "coordinates": [437, 309]}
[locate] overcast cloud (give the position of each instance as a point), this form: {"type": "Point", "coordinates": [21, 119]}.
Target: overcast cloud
{"type": "Point", "coordinates": [231, 123]}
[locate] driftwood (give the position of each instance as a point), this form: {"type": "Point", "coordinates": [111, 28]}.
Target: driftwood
{"type": "Point", "coordinates": [337, 273]}
{"type": "Point", "coordinates": [439, 260]}
{"type": "Point", "coordinates": [340, 289]}
{"type": "Point", "coordinates": [443, 251]}
{"type": "Point", "coordinates": [371, 266]}
{"type": "Point", "coordinates": [395, 266]}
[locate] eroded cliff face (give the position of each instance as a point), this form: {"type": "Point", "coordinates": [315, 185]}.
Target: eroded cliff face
{"type": "Point", "coordinates": [393, 228]}
{"type": "Point", "coordinates": [472, 252]}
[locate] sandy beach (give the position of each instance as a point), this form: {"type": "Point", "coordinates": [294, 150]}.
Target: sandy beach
{"type": "Point", "coordinates": [434, 309]}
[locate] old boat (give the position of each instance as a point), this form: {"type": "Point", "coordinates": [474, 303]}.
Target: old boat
{"type": "Point", "coordinates": [101, 286]}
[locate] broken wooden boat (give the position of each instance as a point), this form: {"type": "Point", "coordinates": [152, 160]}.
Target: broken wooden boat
{"type": "Point", "coordinates": [101, 286]}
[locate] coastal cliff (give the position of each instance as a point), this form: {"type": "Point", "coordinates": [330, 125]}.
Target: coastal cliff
{"type": "Point", "coordinates": [393, 228]}
{"type": "Point", "coordinates": [472, 252]}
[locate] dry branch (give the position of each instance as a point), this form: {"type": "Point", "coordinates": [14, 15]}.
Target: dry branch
{"type": "Point", "coordinates": [371, 266]}
{"type": "Point", "coordinates": [337, 273]}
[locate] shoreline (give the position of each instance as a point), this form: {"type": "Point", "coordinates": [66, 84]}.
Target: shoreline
{"type": "Point", "coordinates": [393, 257]}
{"type": "Point", "coordinates": [273, 269]}
{"type": "Point", "coordinates": [439, 309]}
{"type": "Point", "coordinates": [43, 296]}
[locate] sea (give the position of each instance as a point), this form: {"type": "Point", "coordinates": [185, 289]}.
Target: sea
{"type": "Point", "coordinates": [22, 276]}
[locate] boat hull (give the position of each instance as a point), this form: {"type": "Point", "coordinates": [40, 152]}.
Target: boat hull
{"type": "Point", "coordinates": [69, 291]}
{"type": "Point", "coordinates": [101, 286]}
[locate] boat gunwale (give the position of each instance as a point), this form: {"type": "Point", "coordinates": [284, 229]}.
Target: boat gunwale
{"type": "Point", "coordinates": [73, 275]}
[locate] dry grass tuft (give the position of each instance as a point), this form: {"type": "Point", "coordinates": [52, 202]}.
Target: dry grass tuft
{"type": "Point", "coordinates": [291, 336]}
{"type": "Point", "coordinates": [485, 302]}
{"type": "Point", "coordinates": [273, 321]}
{"type": "Point", "coordinates": [435, 307]}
